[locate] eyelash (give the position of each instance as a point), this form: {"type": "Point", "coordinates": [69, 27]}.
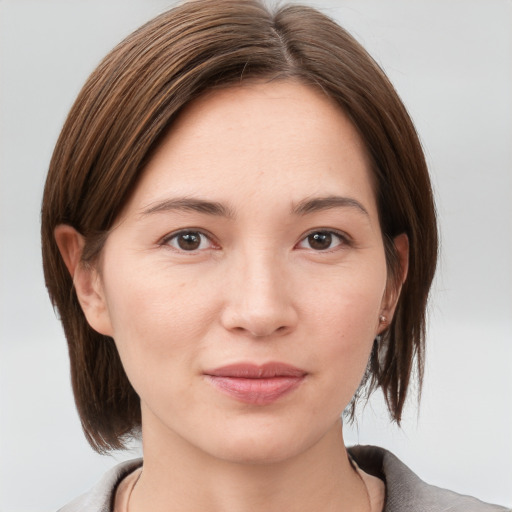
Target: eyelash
{"type": "Point", "coordinates": [343, 239]}
{"type": "Point", "coordinates": [166, 241]}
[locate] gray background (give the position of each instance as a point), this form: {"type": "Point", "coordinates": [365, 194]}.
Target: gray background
{"type": "Point", "coordinates": [451, 62]}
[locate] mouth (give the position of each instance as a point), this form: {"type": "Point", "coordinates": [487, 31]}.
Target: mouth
{"type": "Point", "coordinates": [256, 384]}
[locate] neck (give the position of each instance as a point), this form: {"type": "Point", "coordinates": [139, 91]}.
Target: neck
{"type": "Point", "coordinates": [178, 476]}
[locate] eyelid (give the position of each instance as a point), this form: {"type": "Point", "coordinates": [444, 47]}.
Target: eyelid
{"type": "Point", "coordinates": [345, 239]}
{"type": "Point", "coordinates": [164, 241]}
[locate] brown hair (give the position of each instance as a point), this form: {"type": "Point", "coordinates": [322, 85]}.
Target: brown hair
{"type": "Point", "coordinates": [131, 100]}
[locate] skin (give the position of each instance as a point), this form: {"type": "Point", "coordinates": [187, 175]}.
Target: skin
{"type": "Point", "coordinates": [256, 289]}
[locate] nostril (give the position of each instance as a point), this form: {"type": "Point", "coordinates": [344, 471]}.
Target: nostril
{"type": "Point", "coordinates": [259, 311]}
{"type": "Point", "coordinates": [265, 333]}
{"type": "Point", "coordinates": [261, 333]}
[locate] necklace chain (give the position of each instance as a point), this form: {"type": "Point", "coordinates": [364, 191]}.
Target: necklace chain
{"type": "Point", "coordinates": [357, 470]}
{"type": "Point", "coordinates": [367, 492]}
{"type": "Point", "coordinates": [131, 491]}
{"type": "Point", "coordinates": [355, 467]}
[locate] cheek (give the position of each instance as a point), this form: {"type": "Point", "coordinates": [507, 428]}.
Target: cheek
{"type": "Point", "coordinates": [343, 320]}
{"type": "Point", "coordinates": [349, 300]}
{"type": "Point", "coordinates": [158, 320]}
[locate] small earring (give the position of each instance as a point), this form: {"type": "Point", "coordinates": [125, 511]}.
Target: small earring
{"type": "Point", "coordinates": [382, 319]}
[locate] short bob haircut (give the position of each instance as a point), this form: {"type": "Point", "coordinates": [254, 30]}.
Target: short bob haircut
{"type": "Point", "coordinates": [131, 101]}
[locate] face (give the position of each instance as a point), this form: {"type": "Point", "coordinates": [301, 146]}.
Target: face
{"type": "Point", "coordinates": [244, 280]}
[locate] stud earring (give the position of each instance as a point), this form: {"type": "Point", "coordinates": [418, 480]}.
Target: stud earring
{"type": "Point", "coordinates": [382, 319]}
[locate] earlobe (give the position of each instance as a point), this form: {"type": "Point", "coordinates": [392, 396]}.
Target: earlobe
{"type": "Point", "coordinates": [86, 279]}
{"type": "Point", "coordinates": [395, 284]}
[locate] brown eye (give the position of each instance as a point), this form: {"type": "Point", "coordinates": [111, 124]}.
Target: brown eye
{"type": "Point", "coordinates": [189, 241]}
{"type": "Point", "coordinates": [321, 241]}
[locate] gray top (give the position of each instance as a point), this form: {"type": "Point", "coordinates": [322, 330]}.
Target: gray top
{"type": "Point", "coordinates": [405, 492]}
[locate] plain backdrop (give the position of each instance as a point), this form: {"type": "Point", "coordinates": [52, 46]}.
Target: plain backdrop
{"type": "Point", "coordinates": [451, 62]}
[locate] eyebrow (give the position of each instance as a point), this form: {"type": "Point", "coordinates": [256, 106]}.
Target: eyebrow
{"type": "Point", "coordinates": [326, 203]}
{"type": "Point", "coordinates": [215, 208]}
{"type": "Point", "coordinates": [190, 204]}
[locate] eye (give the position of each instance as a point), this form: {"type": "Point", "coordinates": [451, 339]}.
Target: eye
{"type": "Point", "coordinates": [322, 240]}
{"type": "Point", "coordinates": [189, 241]}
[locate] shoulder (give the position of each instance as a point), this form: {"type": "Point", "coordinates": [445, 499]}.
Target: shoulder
{"type": "Point", "coordinates": [406, 492]}
{"type": "Point", "coordinates": [101, 497]}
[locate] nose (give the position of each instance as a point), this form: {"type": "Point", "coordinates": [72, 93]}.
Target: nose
{"type": "Point", "coordinates": [259, 301]}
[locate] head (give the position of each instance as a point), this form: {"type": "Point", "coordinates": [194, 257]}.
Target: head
{"type": "Point", "coordinates": [182, 66]}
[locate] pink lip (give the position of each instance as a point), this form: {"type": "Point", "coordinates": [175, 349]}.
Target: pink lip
{"type": "Point", "coordinates": [253, 384]}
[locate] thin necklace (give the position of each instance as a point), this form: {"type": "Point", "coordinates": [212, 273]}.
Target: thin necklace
{"type": "Point", "coordinates": [131, 491]}
{"type": "Point", "coordinates": [355, 467]}
{"type": "Point", "coordinates": [367, 492]}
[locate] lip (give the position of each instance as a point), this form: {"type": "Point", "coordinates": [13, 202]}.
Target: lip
{"type": "Point", "coordinates": [256, 384]}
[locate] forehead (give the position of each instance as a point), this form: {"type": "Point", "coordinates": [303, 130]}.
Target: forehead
{"type": "Point", "coordinates": [255, 138]}
{"type": "Point", "coordinates": [277, 114]}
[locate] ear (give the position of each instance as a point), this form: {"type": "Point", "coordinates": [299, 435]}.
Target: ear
{"type": "Point", "coordinates": [394, 285]}
{"type": "Point", "coordinates": [86, 279]}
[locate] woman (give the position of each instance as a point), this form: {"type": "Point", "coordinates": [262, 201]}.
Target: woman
{"type": "Point", "coordinates": [239, 235]}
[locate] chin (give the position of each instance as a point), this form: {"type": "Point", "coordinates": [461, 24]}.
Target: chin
{"type": "Point", "coordinates": [262, 445]}
{"type": "Point", "coordinates": [254, 453]}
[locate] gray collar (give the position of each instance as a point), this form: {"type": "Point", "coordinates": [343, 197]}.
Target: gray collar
{"type": "Point", "coordinates": [405, 492]}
